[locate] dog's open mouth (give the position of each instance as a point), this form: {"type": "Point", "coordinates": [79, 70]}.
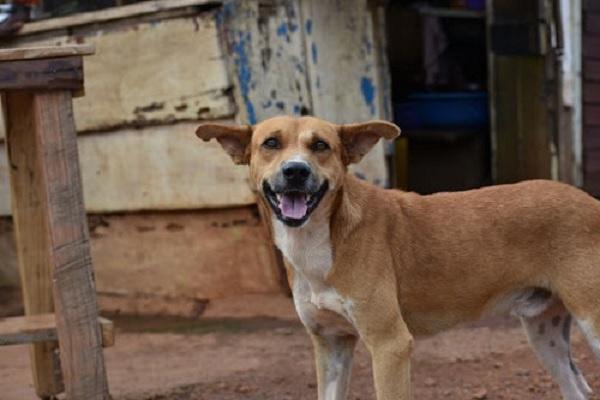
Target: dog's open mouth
{"type": "Point", "coordinates": [293, 207]}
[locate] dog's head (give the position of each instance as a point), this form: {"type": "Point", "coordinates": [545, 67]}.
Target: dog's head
{"type": "Point", "coordinates": [296, 162]}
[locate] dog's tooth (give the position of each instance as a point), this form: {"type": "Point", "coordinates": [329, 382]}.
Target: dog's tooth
{"type": "Point", "coordinates": [308, 197]}
{"type": "Point", "coordinates": [278, 196]}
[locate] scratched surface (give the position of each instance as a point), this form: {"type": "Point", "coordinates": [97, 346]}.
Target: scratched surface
{"type": "Point", "coordinates": [323, 58]}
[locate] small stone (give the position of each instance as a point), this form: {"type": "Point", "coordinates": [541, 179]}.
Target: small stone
{"type": "Point", "coordinates": [311, 385]}
{"type": "Point", "coordinates": [429, 382]}
{"type": "Point", "coordinates": [480, 394]}
{"type": "Point", "coordinates": [522, 372]}
{"type": "Point", "coordinates": [244, 389]}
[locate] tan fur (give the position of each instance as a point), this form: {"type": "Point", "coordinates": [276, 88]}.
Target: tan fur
{"type": "Point", "coordinates": [406, 265]}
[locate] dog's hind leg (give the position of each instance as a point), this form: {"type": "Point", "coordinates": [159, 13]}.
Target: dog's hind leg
{"type": "Point", "coordinates": [592, 335]}
{"type": "Point", "coordinates": [333, 360]}
{"type": "Point", "coordinates": [549, 333]}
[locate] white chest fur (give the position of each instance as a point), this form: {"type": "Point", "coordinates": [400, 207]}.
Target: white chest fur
{"type": "Point", "coordinates": [308, 249]}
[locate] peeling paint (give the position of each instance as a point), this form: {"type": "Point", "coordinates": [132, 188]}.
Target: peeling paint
{"type": "Point", "coordinates": [282, 29]}
{"type": "Point", "coordinates": [313, 49]}
{"type": "Point", "coordinates": [308, 26]}
{"type": "Point", "coordinates": [368, 91]}
{"type": "Point", "coordinates": [155, 106]}
{"type": "Point", "coordinates": [244, 72]}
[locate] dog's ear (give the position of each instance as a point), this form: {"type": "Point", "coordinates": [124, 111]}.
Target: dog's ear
{"type": "Point", "coordinates": [358, 139]}
{"type": "Point", "coordinates": [235, 140]}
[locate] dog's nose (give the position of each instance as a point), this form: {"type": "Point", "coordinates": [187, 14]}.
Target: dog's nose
{"type": "Point", "coordinates": [294, 171]}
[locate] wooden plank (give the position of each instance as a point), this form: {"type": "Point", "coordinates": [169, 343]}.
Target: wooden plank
{"type": "Point", "coordinates": [5, 191]}
{"type": "Point", "coordinates": [147, 263]}
{"type": "Point", "coordinates": [32, 239]}
{"type": "Point", "coordinates": [94, 17]}
{"type": "Point", "coordinates": [67, 249]}
{"type": "Point", "coordinates": [160, 168]}
{"type": "Point", "coordinates": [79, 336]}
{"type": "Point", "coordinates": [42, 328]}
{"type": "Point", "coordinates": [169, 70]}
{"type": "Point", "coordinates": [185, 80]}
{"type": "Point", "coordinates": [43, 74]}
{"type": "Point", "coordinates": [30, 53]}
{"type": "Point", "coordinates": [523, 147]}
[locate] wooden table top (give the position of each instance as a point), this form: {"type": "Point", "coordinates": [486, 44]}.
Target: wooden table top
{"type": "Point", "coordinates": [36, 53]}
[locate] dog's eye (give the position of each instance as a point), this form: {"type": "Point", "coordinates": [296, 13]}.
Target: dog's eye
{"type": "Point", "coordinates": [320, 145]}
{"type": "Point", "coordinates": [271, 143]}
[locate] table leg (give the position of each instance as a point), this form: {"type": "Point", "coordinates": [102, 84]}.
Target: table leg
{"type": "Point", "coordinates": [52, 237]}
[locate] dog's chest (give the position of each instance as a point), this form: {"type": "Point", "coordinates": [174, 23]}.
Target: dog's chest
{"type": "Point", "coordinates": [318, 304]}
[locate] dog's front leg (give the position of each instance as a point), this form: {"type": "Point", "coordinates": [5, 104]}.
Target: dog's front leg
{"type": "Point", "coordinates": [333, 355]}
{"type": "Point", "coordinates": [391, 368]}
{"type": "Point", "coordinates": [390, 343]}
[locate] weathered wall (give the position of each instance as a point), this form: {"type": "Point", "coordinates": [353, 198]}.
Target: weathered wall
{"type": "Point", "coordinates": [173, 262]}
{"type": "Point", "coordinates": [173, 221]}
{"type": "Point", "coordinates": [145, 84]}
{"type": "Point", "coordinates": [147, 87]}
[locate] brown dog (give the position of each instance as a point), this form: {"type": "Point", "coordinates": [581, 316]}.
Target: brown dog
{"type": "Point", "coordinates": [384, 265]}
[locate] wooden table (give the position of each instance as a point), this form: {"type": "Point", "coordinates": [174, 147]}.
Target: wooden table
{"type": "Point", "coordinates": [37, 86]}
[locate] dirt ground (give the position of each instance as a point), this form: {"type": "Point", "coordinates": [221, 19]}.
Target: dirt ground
{"type": "Point", "coordinates": [255, 348]}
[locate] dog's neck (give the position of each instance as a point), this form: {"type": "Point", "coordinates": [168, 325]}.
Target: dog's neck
{"type": "Point", "coordinates": [307, 248]}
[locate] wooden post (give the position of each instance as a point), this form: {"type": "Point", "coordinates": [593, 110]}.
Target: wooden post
{"type": "Point", "coordinates": [32, 239]}
{"type": "Point", "coordinates": [50, 221]}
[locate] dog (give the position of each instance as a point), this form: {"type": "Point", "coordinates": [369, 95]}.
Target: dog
{"type": "Point", "coordinates": [386, 265]}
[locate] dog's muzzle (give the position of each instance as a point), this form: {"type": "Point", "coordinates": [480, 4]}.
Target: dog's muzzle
{"type": "Point", "coordinates": [294, 192]}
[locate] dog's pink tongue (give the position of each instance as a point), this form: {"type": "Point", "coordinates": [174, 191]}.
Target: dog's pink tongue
{"type": "Point", "coordinates": [292, 205]}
